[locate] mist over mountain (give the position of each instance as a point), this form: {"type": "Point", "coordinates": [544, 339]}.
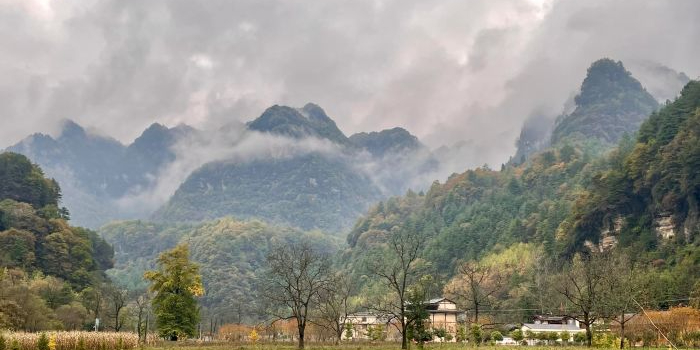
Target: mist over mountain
{"type": "Point", "coordinates": [379, 144]}
{"type": "Point", "coordinates": [611, 103]}
{"type": "Point", "coordinates": [95, 170]}
{"type": "Point", "coordinates": [662, 82]}
{"type": "Point", "coordinates": [326, 185]}
{"type": "Point", "coordinates": [284, 163]}
{"type": "Point", "coordinates": [309, 121]}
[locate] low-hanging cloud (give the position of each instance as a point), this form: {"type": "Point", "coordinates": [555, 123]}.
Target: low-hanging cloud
{"type": "Point", "coordinates": [451, 72]}
{"type": "Point", "coordinates": [232, 144]}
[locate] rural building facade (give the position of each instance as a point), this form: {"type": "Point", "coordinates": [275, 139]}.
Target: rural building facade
{"type": "Point", "coordinates": [365, 326]}
{"type": "Point", "coordinates": [443, 314]}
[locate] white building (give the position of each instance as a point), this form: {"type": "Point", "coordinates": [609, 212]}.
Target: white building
{"type": "Point", "coordinates": [552, 324]}
{"type": "Point", "coordinates": [362, 322]}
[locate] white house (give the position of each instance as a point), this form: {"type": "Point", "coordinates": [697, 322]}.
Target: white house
{"type": "Point", "coordinates": [361, 323]}
{"type": "Point", "coordinates": [507, 341]}
{"type": "Point", "coordinates": [552, 324]}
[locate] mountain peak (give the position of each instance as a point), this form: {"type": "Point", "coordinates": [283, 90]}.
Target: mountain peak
{"type": "Point", "coordinates": [386, 141]}
{"type": "Point", "coordinates": [156, 140]}
{"type": "Point", "coordinates": [610, 104]}
{"type": "Point", "coordinates": [311, 120]}
{"type": "Point", "coordinates": [314, 112]}
{"type": "Point", "coordinates": [606, 78]}
{"type": "Point", "coordinates": [71, 130]}
{"type": "Point", "coordinates": [156, 127]}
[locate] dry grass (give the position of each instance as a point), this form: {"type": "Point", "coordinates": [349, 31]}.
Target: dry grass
{"type": "Point", "coordinates": [75, 340]}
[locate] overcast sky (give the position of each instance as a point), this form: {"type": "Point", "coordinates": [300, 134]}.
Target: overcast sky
{"type": "Point", "coordinates": [448, 71]}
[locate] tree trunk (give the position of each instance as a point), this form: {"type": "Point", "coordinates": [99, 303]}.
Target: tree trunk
{"type": "Point", "coordinates": [622, 332]}
{"type": "Point", "coordinates": [340, 330]}
{"type": "Point", "coordinates": [301, 336]}
{"type": "Point", "coordinates": [404, 342]}
{"type": "Point", "coordinates": [589, 335]}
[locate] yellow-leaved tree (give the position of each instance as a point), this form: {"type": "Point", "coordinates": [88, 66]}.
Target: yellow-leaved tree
{"type": "Point", "coordinates": [177, 283]}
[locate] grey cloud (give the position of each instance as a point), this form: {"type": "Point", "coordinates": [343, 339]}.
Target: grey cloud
{"type": "Point", "coordinates": [453, 71]}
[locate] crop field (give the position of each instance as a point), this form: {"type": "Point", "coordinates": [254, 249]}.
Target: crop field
{"type": "Point", "coordinates": [69, 341]}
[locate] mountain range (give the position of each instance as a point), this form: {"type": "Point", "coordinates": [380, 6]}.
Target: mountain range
{"type": "Point", "coordinates": [290, 166]}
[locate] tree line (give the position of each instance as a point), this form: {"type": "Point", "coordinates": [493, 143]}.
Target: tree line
{"type": "Point", "coordinates": [595, 288]}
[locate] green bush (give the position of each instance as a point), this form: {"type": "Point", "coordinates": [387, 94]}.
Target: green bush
{"type": "Point", "coordinates": [565, 336]}
{"type": "Point", "coordinates": [43, 342]}
{"type": "Point", "coordinates": [517, 335]}
{"type": "Point", "coordinates": [476, 334]}
{"type": "Point", "coordinates": [496, 336]}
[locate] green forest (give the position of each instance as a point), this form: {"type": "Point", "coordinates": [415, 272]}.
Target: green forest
{"type": "Point", "coordinates": [49, 269]}
{"type": "Point", "coordinates": [569, 199]}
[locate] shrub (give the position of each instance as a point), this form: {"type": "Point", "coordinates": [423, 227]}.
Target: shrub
{"type": "Point", "coordinates": [565, 336]}
{"type": "Point", "coordinates": [43, 342]}
{"type": "Point", "coordinates": [476, 334]}
{"type": "Point", "coordinates": [496, 336]}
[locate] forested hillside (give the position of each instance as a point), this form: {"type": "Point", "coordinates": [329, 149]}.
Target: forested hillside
{"type": "Point", "coordinates": [44, 262]}
{"type": "Point", "coordinates": [648, 194]}
{"type": "Point", "coordinates": [310, 192]}
{"type": "Point", "coordinates": [231, 255]}
{"type": "Point", "coordinates": [641, 197]}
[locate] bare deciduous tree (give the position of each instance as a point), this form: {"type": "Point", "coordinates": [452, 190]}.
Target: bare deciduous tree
{"type": "Point", "coordinates": [582, 283]}
{"type": "Point", "coordinates": [297, 274]}
{"type": "Point", "coordinates": [398, 269]}
{"type": "Point", "coordinates": [333, 307]}
{"type": "Point", "coordinates": [117, 299]}
{"type": "Point", "coordinates": [142, 303]}
{"type": "Point", "coordinates": [620, 290]}
{"type": "Point", "coordinates": [475, 286]}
